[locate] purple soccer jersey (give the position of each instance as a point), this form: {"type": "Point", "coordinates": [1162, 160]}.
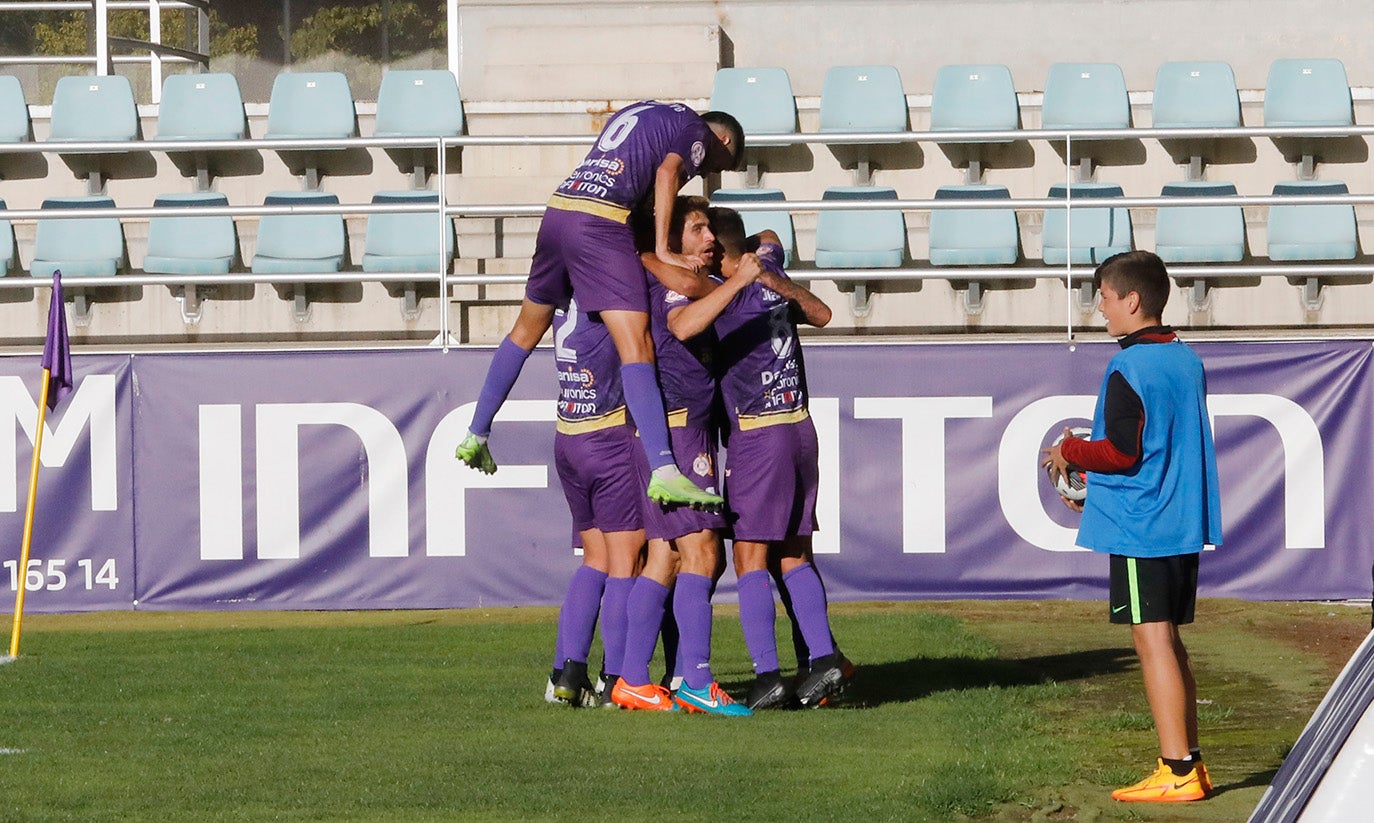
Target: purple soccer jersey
{"type": "Point", "coordinates": [685, 370]}
{"type": "Point", "coordinates": [620, 168]}
{"type": "Point", "coordinates": [595, 450]}
{"type": "Point", "coordinates": [763, 379]}
{"type": "Point", "coordinates": [590, 393]}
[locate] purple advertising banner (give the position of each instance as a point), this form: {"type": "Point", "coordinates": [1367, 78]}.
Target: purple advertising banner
{"type": "Point", "coordinates": [326, 480]}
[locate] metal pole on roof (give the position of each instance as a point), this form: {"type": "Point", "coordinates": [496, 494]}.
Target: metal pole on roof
{"type": "Point", "coordinates": [1068, 233]}
{"type": "Point", "coordinates": [286, 31]}
{"type": "Point", "coordinates": [102, 38]}
{"type": "Point", "coordinates": [455, 43]}
{"type": "Point", "coordinates": [154, 58]}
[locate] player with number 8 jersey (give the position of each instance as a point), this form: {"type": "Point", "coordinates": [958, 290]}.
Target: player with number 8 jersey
{"type": "Point", "coordinates": [585, 246]}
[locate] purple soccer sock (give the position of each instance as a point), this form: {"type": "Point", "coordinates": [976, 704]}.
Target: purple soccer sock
{"type": "Point", "coordinates": [501, 376]}
{"type": "Point", "coordinates": [613, 621]}
{"type": "Point", "coordinates": [645, 615]}
{"type": "Point", "coordinates": [808, 602]}
{"type": "Point", "coordinates": [645, 402]}
{"type": "Point", "coordinates": [756, 615]}
{"type": "Point", "coordinates": [577, 618]}
{"type": "Point", "coordinates": [692, 608]}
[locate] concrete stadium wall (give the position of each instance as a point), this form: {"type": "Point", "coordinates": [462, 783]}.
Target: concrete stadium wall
{"type": "Point", "coordinates": [560, 68]}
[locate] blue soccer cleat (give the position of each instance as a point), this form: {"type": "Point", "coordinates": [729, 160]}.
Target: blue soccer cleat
{"type": "Point", "coordinates": [710, 700]}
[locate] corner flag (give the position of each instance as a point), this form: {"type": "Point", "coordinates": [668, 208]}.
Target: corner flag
{"type": "Point", "coordinates": [57, 383]}
{"type": "Point", "coordinates": [57, 347]}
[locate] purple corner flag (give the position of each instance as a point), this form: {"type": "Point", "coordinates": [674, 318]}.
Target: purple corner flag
{"type": "Point", "coordinates": [57, 348]}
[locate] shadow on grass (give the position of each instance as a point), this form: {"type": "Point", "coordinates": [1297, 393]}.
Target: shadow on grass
{"type": "Point", "coordinates": [1263, 778]}
{"type": "Point", "coordinates": [906, 680]}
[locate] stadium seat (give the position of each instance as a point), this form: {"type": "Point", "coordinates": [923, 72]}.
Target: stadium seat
{"type": "Point", "coordinates": [756, 221]}
{"type": "Point", "coordinates": [1312, 232]}
{"type": "Point", "coordinates": [1307, 92]}
{"type": "Point", "coordinates": [1085, 96]}
{"type": "Point", "coordinates": [14, 112]}
{"type": "Point", "coordinates": [312, 105]}
{"type": "Point", "coordinates": [190, 245]}
{"type": "Point", "coordinates": [1195, 95]}
{"type": "Point", "coordinates": [1191, 95]}
{"type": "Point", "coordinates": [418, 104]}
{"type": "Point", "coordinates": [760, 98]}
{"type": "Point", "coordinates": [860, 239]}
{"type": "Point", "coordinates": [299, 243]}
{"type": "Point", "coordinates": [1199, 234]}
{"type": "Point", "coordinates": [205, 107]}
{"type": "Point", "coordinates": [6, 244]}
{"type": "Point", "coordinates": [80, 247]}
{"type": "Point", "coordinates": [98, 109]}
{"type": "Point", "coordinates": [1098, 232]}
{"type": "Point", "coordinates": [973, 237]}
{"type": "Point", "coordinates": [974, 98]}
{"type": "Point", "coordinates": [405, 242]}
{"type": "Point", "coordinates": [863, 99]}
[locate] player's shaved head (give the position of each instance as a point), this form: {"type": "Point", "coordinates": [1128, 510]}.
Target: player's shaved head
{"type": "Point", "coordinates": [728, 227]}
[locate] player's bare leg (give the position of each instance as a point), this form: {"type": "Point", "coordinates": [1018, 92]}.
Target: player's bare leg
{"type": "Point", "coordinates": [629, 331]}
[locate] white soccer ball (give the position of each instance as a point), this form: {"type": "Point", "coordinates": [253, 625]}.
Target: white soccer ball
{"type": "Point", "coordinates": [1073, 484]}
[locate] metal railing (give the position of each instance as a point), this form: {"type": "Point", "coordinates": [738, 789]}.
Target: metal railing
{"type": "Point", "coordinates": [103, 60]}
{"type": "Point", "coordinates": [444, 279]}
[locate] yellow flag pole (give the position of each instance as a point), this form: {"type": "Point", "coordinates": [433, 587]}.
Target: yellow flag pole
{"type": "Point", "coordinates": [22, 572]}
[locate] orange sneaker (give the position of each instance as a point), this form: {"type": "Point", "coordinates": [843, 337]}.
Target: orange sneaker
{"type": "Point", "coordinates": [1163, 787]}
{"type": "Point", "coordinates": [649, 697]}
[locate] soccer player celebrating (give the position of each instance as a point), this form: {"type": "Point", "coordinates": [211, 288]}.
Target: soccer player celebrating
{"type": "Point", "coordinates": [596, 457]}
{"type": "Point", "coordinates": [647, 150]}
{"type": "Point", "coordinates": [773, 474]}
{"type": "Point", "coordinates": [680, 537]}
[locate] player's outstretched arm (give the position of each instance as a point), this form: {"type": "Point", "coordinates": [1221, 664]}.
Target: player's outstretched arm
{"type": "Point", "coordinates": [696, 317]}
{"type": "Point", "coordinates": [813, 310]}
{"type": "Point", "coordinates": [690, 284]}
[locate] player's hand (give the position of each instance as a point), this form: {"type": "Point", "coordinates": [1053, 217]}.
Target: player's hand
{"type": "Point", "coordinates": [749, 267]}
{"type": "Point", "coordinates": [1074, 505]}
{"type": "Point", "coordinates": [692, 263]}
{"type": "Point", "coordinates": [1054, 458]}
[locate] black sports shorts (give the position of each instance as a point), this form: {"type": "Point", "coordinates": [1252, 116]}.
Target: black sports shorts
{"type": "Point", "coordinates": [1153, 589]}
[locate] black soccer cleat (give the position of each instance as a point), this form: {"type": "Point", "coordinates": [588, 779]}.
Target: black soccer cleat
{"type": "Point", "coordinates": [826, 679]}
{"type": "Point", "coordinates": [574, 688]}
{"type": "Point", "coordinates": [770, 691]}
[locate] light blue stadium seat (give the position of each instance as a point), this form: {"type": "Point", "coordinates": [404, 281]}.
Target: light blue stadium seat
{"type": "Point", "coordinates": [1199, 234]}
{"type": "Point", "coordinates": [406, 242]}
{"type": "Point", "coordinates": [82, 247]}
{"type": "Point", "coordinates": [1195, 95]}
{"type": "Point", "coordinates": [1085, 96]}
{"type": "Point", "coordinates": [6, 244]}
{"type": "Point", "coordinates": [862, 98]}
{"type": "Point", "coordinates": [299, 243]}
{"type": "Point", "coordinates": [860, 239]}
{"type": "Point", "coordinates": [14, 112]}
{"type": "Point", "coordinates": [760, 98]}
{"type": "Point", "coordinates": [1098, 231]}
{"type": "Point", "coordinates": [89, 109]}
{"type": "Point", "coordinates": [973, 237]}
{"type": "Point", "coordinates": [310, 105]}
{"type": "Point", "coordinates": [756, 221]}
{"type": "Point", "coordinates": [190, 245]}
{"type": "Point", "coordinates": [419, 104]}
{"type": "Point", "coordinates": [974, 98]}
{"type": "Point", "coordinates": [1307, 92]}
{"type": "Point", "coordinates": [201, 107]}
{"type": "Point", "coordinates": [1308, 232]}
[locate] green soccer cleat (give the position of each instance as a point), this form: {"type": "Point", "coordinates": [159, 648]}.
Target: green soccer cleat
{"type": "Point", "coordinates": [475, 453]}
{"type": "Point", "coordinates": [679, 491]}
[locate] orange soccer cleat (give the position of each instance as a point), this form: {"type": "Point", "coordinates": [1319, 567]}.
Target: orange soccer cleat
{"type": "Point", "coordinates": [1164, 787]}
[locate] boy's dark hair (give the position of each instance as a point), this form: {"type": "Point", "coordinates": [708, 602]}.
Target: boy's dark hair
{"type": "Point", "coordinates": [727, 121]}
{"type": "Point", "coordinates": [728, 227]}
{"type": "Point", "coordinates": [1141, 272]}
